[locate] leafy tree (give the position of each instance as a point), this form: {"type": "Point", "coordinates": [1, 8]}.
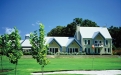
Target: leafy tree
{"type": "Point", "coordinates": [116, 37]}
{"type": "Point", "coordinates": [3, 46]}
{"type": "Point", "coordinates": [70, 29]}
{"type": "Point", "coordinates": [39, 49]}
{"type": "Point", "coordinates": [15, 51]}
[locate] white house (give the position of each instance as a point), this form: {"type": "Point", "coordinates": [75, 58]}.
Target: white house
{"type": "Point", "coordinates": [83, 40]}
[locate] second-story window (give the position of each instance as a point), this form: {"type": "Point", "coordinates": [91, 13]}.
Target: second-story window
{"type": "Point", "coordinates": [88, 42]}
{"type": "Point", "coordinates": [95, 41]}
{"type": "Point", "coordinates": [85, 42]}
{"type": "Point", "coordinates": [106, 42]}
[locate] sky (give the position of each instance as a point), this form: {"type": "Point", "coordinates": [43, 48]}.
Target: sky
{"type": "Point", "coordinates": [27, 14]}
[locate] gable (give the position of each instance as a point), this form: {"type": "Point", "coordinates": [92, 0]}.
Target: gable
{"type": "Point", "coordinates": [54, 43]}
{"type": "Point", "coordinates": [74, 44]}
{"type": "Point", "coordinates": [98, 36]}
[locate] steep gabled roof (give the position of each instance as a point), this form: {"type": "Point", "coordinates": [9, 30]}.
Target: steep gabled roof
{"type": "Point", "coordinates": [26, 43]}
{"type": "Point", "coordinates": [63, 41]}
{"type": "Point", "coordinates": [96, 34]}
{"type": "Point", "coordinates": [90, 32]}
{"type": "Point", "coordinates": [71, 40]}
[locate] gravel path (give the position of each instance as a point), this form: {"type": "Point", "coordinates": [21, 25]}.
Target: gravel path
{"type": "Point", "coordinates": [103, 72]}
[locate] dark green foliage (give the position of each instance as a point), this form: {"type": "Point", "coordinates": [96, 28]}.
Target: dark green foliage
{"type": "Point", "coordinates": [70, 29]}
{"type": "Point", "coordinates": [116, 36]}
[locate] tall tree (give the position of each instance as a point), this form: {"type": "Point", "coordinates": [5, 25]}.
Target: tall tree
{"type": "Point", "coordinates": [15, 51]}
{"type": "Point", "coordinates": [39, 49]}
{"type": "Point", "coordinates": [116, 37]}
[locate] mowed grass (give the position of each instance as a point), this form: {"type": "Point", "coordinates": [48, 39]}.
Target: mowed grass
{"type": "Point", "coordinates": [27, 65]}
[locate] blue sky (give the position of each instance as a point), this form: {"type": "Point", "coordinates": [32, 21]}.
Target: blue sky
{"type": "Point", "coordinates": [27, 14]}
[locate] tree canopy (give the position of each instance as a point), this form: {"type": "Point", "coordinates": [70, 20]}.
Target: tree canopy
{"type": "Point", "coordinates": [70, 29]}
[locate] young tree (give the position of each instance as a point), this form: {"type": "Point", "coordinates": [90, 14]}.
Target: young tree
{"type": "Point", "coordinates": [3, 46]}
{"type": "Point", "coordinates": [39, 49]}
{"type": "Point", "coordinates": [15, 51]}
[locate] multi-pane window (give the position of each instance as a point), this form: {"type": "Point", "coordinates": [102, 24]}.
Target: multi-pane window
{"type": "Point", "coordinates": [72, 50]}
{"type": "Point", "coordinates": [53, 50]}
{"type": "Point", "coordinates": [76, 49]}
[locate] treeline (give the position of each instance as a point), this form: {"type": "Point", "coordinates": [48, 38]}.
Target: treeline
{"type": "Point", "coordinates": [69, 30]}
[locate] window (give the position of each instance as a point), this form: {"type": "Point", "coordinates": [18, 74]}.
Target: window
{"type": "Point", "coordinates": [108, 50]}
{"type": "Point", "coordinates": [56, 50]}
{"type": "Point", "coordinates": [76, 49]}
{"type": "Point", "coordinates": [100, 41]}
{"type": "Point", "coordinates": [95, 50]}
{"type": "Point", "coordinates": [89, 50]}
{"type": "Point", "coordinates": [98, 50]}
{"type": "Point", "coordinates": [88, 42]}
{"type": "Point", "coordinates": [85, 42]}
{"type": "Point", "coordinates": [105, 49]}
{"type": "Point", "coordinates": [86, 50]}
{"type": "Point", "coordinates": [53, 50]}
{"type": "Point", "coordinates": [95, 41]}
{"type": "Point", "coordinates": [106, 42]}
{"type": "Point", "coordinates": [72, 50]}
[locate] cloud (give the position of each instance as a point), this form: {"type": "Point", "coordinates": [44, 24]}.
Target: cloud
{"type": "Point", "coordinates": [33, 24]}
{"type": "Point", "coordinates": [36, 23]}
{"type": "Point", "coordinates": [9, 30]}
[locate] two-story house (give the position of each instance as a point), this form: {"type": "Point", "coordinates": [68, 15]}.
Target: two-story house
{"type": "Point", "coordinates": [83, 40]}
{"type": "Point", "coordinates": [97, 36]}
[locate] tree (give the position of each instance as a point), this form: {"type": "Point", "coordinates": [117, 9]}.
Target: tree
{"type": "Point", "coordinates": [15, 51]}
{"type": "Point", "coordinates": [39, 49]}
{"type": "Point", "coordinates": [70, 29]}
{"type": "Point", "coordinates": [3, 46]}
{"type": "Point", "coordinates": [116, 37]}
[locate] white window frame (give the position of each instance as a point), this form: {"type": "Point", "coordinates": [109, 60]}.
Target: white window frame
{"type": "Point", "coordinates": [53, 48]}
{"type": "Point", "coordinates": [73, 49]}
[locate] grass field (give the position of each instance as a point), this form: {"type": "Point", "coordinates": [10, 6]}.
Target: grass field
{"type": "Point", "coordinates": [28, 65]}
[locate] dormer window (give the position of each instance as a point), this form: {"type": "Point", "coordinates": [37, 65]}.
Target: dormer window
{"type": "Point", "coordinates": [27, 36]}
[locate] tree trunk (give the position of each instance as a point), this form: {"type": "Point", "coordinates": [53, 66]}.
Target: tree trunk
{"type": "Point", "coordinates": [1, 63]}
{"type": "Point", "coordinates": [15, 69]}
{"type": "Point", "coordinates": [42, 69]}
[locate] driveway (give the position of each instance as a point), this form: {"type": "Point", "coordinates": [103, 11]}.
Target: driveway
{"type": "Point", "coordinates": [102, 72]}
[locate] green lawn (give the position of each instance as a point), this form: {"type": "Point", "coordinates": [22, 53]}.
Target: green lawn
{"type": "Point", "coordinates": [28, 65]}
